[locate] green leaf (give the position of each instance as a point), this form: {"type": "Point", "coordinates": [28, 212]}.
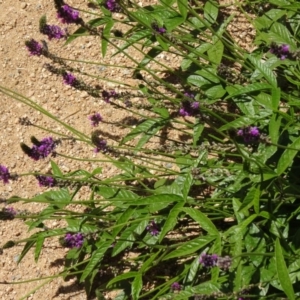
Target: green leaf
{"type": "Point", "coordinates": [215, 92]}
{"type": "Point", "coordinates": [95, 259]}
{"type": "Point", "coordinates": [122, 221]}
{"type": "Point", "coordinates": [202, 219]}
{"type": "Point", "coordinates": [122, 277]}
{"type": "Point", "coordinates": [190, 247]}
{"type": "Point", "coordinates": [238, 90]}
{"type": "Point", "coordinates": [282, 272]}
{"type": "Point", "coordinates": [105, 36]}
{"type": "Point", "coordinates": [171, 220]}
{"type": "Point", "coordinates": [252, 196]}
{"type": "Point", "coordinates": [136, 287]}
{"type": "Point", "coordinates": [198, 129]}
{"type": "Point", "coordinates": [215, 53]}
{"type": "Point", "coordinates": [279, 33]}
{"type": "Point", "coordinates": [26, 248]}
{"type": "Point", "coordinates": [276, 96]}
{"type": "Point", "coordinates": [79, 32]}
{"type": "Point", "coordinates": [38, 247]}
{"type": "Point", "coordinates": [211, 12]}
{"type": "Point", "coordinates": [174, 22]}
{"type": "Point", "coordinates": [193, 269]}
{"type": "Point", "coordinates": [141, 128]}
{"type": "Point", "coordinates": [287, 157]}
{"type": "Point", "coordinates": [183, 7]}
{"type": "Point", "coordinates": [55, 169]}
{"type": "Point", "coordinates": [264, 69]}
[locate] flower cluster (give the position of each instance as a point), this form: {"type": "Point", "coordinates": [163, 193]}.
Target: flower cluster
{"type": "Point", "coordinates": [107, 95]}
{"type": "Point", "coordinates": [8, 213]}
{"type": "Point", "coordinates": [157, 29]}
{"type": "Point", "coordinates": [189, 108]}
{"type": "Point", "coordinates": [153, 228]}
{"type": "Point", "coordinates": [46, 181]}
{"type": "Point", "coordinates": [249, 134]}
{"type": "Point", "coordinates": [68, 15]}
{"type": "Point", "coordinates": [34, 47]}
{"type": "Point", "coordinates": [95, 119]}
{"type": "Point", "coordinates": [74, 240]}
{"type": "Point", "coordinates": [209, 261]}
{"type": "Point", "coordinates": [53, 32]}
{"type": "Point", "coordinates": [4, 174]}
{"type": "Point", "coordinates": [100, 143]}
{"type": "Point", "coordinates": [175, 286]}
{"type": "Point", "coordinates": [282, 51]}
{"type": "Point", "coordinates": [40, 149]}
{"type": "Point", "coordinates": [112, 5]}
{"type": "Point", "coordinates": [70, 79]}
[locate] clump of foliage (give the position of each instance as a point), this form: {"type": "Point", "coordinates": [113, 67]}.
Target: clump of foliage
{"type": "Point", "coordinates": [224, 223]}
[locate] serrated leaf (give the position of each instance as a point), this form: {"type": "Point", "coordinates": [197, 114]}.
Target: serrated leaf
{"type": "Point", "coordinates": [204, 222]}
{"type": "Point", "coordinates": [282, 272]}
{"type": "Point", "coordinates": [276, 96]}
{"type": "Point", "coordinates": [193, 269]}
{"type": "Point", "coordinates": [95, 259]}
{"type": "Point", "coordinates": [280, 34]}
{"type": "Point", "coordinates": [215, 53]}
{"type": "Point", "coordinates": [26, 248]}
{"type": "Point", "coordinates": [198, 129]}
{"type": "Point", "coordinates": [190, 247]}
{"type": "Point", "coordinates": [264, 69]}
{"type": "Point", "coordinates": [215, 92]}
{"type": "Point", "coordinates": [251, 197]}
{"type": "Point", "coordinates": [287, 157]}
{"type": "Point", "coordinates": [122, 221]}
{"type": "Point", "coordinates": [238, 90]}
{"type": "Point", "coordinates": [126, 239]}
{"type": "Point", "coordinates": [171, 220]}
{"type": "Point", "coordinates": [136, 287]}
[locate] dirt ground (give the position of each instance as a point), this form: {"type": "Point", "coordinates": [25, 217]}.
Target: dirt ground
{"type": "Point", "coordinates": [28, 76]}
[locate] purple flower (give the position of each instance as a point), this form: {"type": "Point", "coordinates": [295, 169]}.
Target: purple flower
{"type": "Point", "coordinates": [68, 15]}
{"type": "Point", "coordinates": [53, 32]}
{"type": "Point", "coordinates": [4, 174]}
{"type": "Point", "coordinates": [47, 181]}
{"type": "Point", "coordinates": [112, 5]}
{"type": "Point", "coordinates": [41, 149]}
{"type": "Point", "coordinates": [73, 240]}
{"type": "Point", "coordinates": [249, 134]}
{"type": "Point", "coordinates": [282, 51]}
{"type": "Point", "coordinates": [101, 146]}
{"type": "Point", "coordinates": [189, 108]}
{"type": "Point", "coordinates": [176, 286]}
{"type": "Point", "coordinates": [160, 30]}
{"type": "Point", "coordinates": [70, 79]}
{"type": "Point", "coordinates": [208, 260]}
{"type": "Point", "coordinates": [153, 228]}
{"type": "Point", "coordinates": [9, 213]}
{"type": "Point", "coordinates": [189, 95]}
{"type": "Point", "coordinates": [95, 119]}
{"type": "Point", "coordinates": [107, 95]}
{"type": "Point", "coordinates": [34, 47]}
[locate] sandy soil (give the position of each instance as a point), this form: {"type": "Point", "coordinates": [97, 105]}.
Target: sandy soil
{"type": "Point", "coordinates": [28, 76]}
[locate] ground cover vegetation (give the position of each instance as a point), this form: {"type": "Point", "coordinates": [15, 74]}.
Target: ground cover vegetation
{"type": "Point", "coordinates": [224, 222]}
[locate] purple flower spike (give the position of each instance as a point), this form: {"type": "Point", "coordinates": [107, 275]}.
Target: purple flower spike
{"type": "Point", "coordinates": [249, 134]}
{"type": "Point", "coordinates": [112, 5]}
{"type": "Point", "coordinates": [68, 15]}
{"type": "Point", "coordinates": [208, 261]}
{"type": "Point", "coordinates": [282, 51]}
{"type": "Point", "coordinates": [46, 181]}
{"type": "Point", "coordinates": [42, 149]}
{"type": "Point", "coordinates": [176, 286]}
{"type": "Point", "coordinates": [101, 146]}
{"type": "Point", "coordinates": [9, 213]}
{"type": "Point", "coordinates": [70, 79]}
{"type": "Point", "coordinates": [34, 47]}
{"type": "Point", "coordinates": [4, 174]}
{"type": "Point", "coordinates": [153, 228]}
{"type": "Point", "coordinates": [189, 108]}
{"type": "Point", "coordinates": [95, 119]}
{"type": "Point", "coordinates": [73, 240]}
{"type": "Point", "coordinates": [159, 30]}
{"type": "Point", "coordinates": [107, 95]}
{"type": "Point", "coordinates": [53, 32]}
